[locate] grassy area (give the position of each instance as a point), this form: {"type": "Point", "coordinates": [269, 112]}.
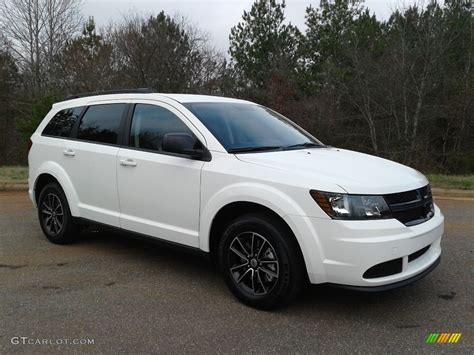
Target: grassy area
{"type": "Point", "coordinates": [461, 182]}
{"type": "Point", "coordinates": [13, 176]}
{"type": "Point", "coordinates": [17, 175]}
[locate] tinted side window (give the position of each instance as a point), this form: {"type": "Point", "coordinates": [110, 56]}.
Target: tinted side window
{"type": "Point", "coordinates": [101, 123]}
{"type": "Point", "coordinates": [150, 123]}
{"type": "Point", "coordinates": [62, 122]}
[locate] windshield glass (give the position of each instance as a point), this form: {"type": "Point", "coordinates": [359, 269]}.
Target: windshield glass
{"type": "Point", "coordinates": [242, 127]}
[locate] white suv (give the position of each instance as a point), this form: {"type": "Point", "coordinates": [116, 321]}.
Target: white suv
{"type": "Point", "coordinates": [272, 205]}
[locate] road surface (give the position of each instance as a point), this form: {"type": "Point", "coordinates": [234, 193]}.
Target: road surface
{"type": "Point", "coordinates": [128, 296]}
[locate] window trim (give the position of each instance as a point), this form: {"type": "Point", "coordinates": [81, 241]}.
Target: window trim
{"type": "Point", "coordinates": [128, 127]}
{"type": "Point", "coordinates": [125, 127]}
{"type": "Point", "coordinates": [207, 154]}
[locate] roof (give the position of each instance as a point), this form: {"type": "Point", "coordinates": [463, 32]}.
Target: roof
{"type": "Point", "coordinates": [181, 98]}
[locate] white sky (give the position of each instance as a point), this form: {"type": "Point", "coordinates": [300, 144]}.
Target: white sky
{"type": "Point", "coordinates": [214, 17]}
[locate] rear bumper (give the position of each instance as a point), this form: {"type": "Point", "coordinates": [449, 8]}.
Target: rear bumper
{"type": "Point", "coordinates": [343, 251]}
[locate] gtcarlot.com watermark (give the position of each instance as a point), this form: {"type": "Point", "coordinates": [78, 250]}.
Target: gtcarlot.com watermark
{"type": "Point", "coordinates": [57, 341]}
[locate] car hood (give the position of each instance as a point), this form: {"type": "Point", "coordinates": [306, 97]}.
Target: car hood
{"type": "Point", "coordinates": [354, 172]}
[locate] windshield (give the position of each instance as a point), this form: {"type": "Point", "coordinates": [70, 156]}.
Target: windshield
{"type": "Point", "coordinates": [242, 127]}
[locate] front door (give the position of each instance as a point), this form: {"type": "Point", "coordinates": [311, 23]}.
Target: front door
{"type": "Point", "coordinates": [159, 192]}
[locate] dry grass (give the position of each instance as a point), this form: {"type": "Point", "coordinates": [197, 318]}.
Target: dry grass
{"type": "Point", "coordinates": [13, 177]}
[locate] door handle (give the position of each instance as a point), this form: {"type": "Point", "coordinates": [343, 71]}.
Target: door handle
{"type": "Point", "coordinates": [127, 162]}
{"type": "Point", "coordinates": [69, 152]}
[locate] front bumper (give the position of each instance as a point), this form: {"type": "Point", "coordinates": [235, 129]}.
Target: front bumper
{"type": "Point", "coordinates": [391, 286]}
{"type": "Point", "coordinates": [350, 248]}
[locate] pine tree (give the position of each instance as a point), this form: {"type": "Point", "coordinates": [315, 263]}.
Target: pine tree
{"type": "Point", "coordinates": [262, 45]}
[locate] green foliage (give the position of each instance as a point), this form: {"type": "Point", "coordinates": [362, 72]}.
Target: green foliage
{"type": "Point", "coordinates": [400, 88]}
{"type": "Point", "coordinates": [13, 178]}
{"type": "Point", "coordinates": [40, 107]}
{"type": "Point", "coordinates": [262, 45]}
{"type": "Point", "coordinates": [335, 32]}
{"type": "Point", "coordinates": [461, 182]}
{"type": "Point", "coordinates": [406, 83]}
{"type": "Point", "coordinates": [85, 63]}
{"type": "Point", "coordinates": [330, 29]}
{"type": "Point", "coordinates": [8, 73]}
{"type": "Point", "coordinates": [13, 174]}
{"type": "Point", "coordinates": [9, 78]}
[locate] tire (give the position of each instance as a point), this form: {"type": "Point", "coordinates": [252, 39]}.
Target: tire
{"type": "Point", "coordinates": [55, 216]}
{"type": "Point", "coordinates": [274, 274]}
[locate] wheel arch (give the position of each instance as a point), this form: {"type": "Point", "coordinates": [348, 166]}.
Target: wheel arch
{"type": "Point", "coordinates": [247, 197]}
{"type": "Point", "coordinates": [41, 181]}
{"type": "Point", "coordinates": [232, 211]}
{"type": "Point", "coordinates": [52, 172]}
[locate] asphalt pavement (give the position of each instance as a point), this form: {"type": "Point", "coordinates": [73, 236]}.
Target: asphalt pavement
{"type": "Point", "coordinates": [110, 293]}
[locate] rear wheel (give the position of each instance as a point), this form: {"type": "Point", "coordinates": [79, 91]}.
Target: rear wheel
{"type": "Point", "coordinates": [54, 215]}
{"type": "Point", "coordinates": [261, 262]}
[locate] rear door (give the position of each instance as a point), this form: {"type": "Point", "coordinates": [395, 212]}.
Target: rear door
{"type": "Point", "coordinates": [159, 192]}
{"type": "Point", "coordinates": [90, 161]}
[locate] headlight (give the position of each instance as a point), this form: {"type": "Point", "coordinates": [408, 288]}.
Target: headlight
{"type": "Point", "coordinates": [345, 206]}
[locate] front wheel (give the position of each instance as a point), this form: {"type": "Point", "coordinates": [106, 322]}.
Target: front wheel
{"type": "Point", "coordinates": [54, 215]}
{"type": "Point", "coordinates": [261, 261]}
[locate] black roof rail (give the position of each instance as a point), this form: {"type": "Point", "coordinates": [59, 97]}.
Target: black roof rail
{"type": "Point", "coordinates": [108, 92]}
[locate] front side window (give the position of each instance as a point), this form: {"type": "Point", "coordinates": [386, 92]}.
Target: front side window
{"type": "Point", "coordinates": [242, 127]}
{"type": "Point", "coordinates": [149, 125]}
{"type": "Point", "coordinates": [101, 123]}
{"type": "Point", "coordinates": [62, 122]}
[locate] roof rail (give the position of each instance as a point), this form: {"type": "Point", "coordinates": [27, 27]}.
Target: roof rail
{"type": "Point", "coordinates": [108, 92]}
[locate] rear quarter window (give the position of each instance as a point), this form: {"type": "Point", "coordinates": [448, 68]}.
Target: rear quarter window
{"type": "Point", "coordinates": [62, 123]}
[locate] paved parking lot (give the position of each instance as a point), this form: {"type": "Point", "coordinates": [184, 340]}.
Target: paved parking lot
{"type": "Point", "coordinates": [132, 296]}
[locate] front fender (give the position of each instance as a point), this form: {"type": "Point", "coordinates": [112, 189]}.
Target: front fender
{"type": "Point", "coordinates": [277, 201]}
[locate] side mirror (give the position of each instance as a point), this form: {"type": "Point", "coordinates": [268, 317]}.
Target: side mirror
{"type": "Point", "coordinates": [183, 143]}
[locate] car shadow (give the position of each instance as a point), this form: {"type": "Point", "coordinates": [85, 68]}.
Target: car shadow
{"type": "Point", "coordinates": [146, 249]}
{"type": "Point", "coordinates": [317, 299]}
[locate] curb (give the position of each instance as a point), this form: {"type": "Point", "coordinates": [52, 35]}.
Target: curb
{"type": "Point", "coordinates": [13, 187]}
{"type": "Point", "coordinates": [452, 198]}
{"type": "Point", "coordinates": [452, 193]}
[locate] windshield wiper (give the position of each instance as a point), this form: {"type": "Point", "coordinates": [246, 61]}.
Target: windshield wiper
{"type": "Point", "coordinates": [305, 145]}
{"type": "Point", "coordinates": [254, 149]}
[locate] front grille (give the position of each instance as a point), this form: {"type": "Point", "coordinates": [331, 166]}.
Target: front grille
{"type": "Point", "coordinates": [411, 207]}
{"type": "Point", "coordinates": [401, 197]}
{"type": "Point", "coordinates": [417, 254]}
{"type": "Point", "coordinates": [384, 269]}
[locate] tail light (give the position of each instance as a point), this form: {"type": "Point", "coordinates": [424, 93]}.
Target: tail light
{"type": "Point", "coordinates": [30, 143]}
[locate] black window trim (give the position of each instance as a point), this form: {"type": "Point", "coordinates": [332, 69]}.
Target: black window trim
{"type": "Point", "coordinates": [128, 126]}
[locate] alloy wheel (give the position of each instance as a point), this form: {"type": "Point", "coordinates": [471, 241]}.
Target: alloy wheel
{"type": "Point", "coordinates": [53, 214]}
{"type": "Point", "coordinates": [253, 263]}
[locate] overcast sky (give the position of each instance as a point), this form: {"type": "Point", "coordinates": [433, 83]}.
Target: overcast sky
{"type": "Point", "coordinates": [215, 17]}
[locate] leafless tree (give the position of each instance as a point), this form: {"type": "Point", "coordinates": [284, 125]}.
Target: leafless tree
{"type": "Point", "coordinates": [36, 30]}
{"type": "Point", "coordinates": [164, 53]}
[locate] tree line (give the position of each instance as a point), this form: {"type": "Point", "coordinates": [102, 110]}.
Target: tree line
{"type": "Point", "coordinates": [400, 88]}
